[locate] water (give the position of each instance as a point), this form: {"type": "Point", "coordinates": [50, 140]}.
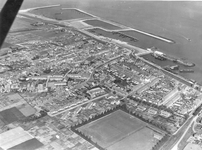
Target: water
{"type": "Point", "coordinates": [179, 21]}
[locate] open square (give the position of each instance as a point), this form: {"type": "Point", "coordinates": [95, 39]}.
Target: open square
{"type": "Point", "coordinates": [119, 130]}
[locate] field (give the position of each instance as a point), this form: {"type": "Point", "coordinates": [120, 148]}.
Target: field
{"type": "Point", "coordinates": [61, 14]}
{"type": "Point", "coordinates": [22, 23]}
{"type": "Point", "coordinates": [31, 144]}
{"type": "Point", "coordinates": [119, 128]}
{"type": "Point", "coordinates": [141, 140]}
{"type": "Point", "coordinates": [10, 115]}
{"type": "Point", "coordinates": [13, 137]}
{"type": "Point", "coordinates": [26, 110]}
{"type": "Point", "coordinates": [102, 24]}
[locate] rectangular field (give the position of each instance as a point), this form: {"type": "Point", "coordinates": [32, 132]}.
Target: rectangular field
{"type": "Point", "coordinates": [11, 115]}
{"type": "Point", "coordinates": [31, 144]}
{"type": "Point", "coordinates": [13, 137]}
{"type": "Point", "coordinates": [112, 128]}
{"type": "Point", "coordinates": [143, 139]}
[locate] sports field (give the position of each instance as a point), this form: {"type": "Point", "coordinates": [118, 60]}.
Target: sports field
{"type": "Point", "coordinates": [141, 140]}
{"type": "Point", "coordinates": [119, 131]}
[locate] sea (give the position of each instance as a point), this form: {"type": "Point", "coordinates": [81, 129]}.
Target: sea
{"type": "Point", "coordinates": [180, 21]}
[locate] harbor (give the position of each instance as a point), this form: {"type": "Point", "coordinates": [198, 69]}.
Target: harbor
{"type": "Point", "coordinates": [171, 64]}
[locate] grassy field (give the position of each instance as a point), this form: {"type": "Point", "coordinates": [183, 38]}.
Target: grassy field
{"type": "Point", "coordinates": [119, 131]}
{"type": "Point", "coordinates": [102, 24]}
{"type": "Point", "coordinates": [11, 115]}
{"type": "Point", "coordinates": [13, 137]}
{"type": "Point", "coordinates": [140, 140]}
{"type": "Point", "coordinates": [21, 23]}
{"type": "Point", "coordinates": [31, 144]}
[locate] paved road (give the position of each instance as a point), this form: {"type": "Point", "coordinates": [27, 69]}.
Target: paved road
{"type": "Point", "coordinates": [190, 124]}
{"type": "Point", "coordinates": [173, 142]}
{"type": "Point", "coordinates": [67, 109]}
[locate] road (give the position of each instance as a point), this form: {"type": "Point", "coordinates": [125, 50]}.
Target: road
{"type": "Point", "coordinates": [67, 109]}
{"type": "Point", "coordinates": [173, 142]}
{"type": "Point", "coordinates": [190, 124]}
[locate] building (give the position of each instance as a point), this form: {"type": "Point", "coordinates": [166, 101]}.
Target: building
{"type": "Point", "coordinates": [148, 85]}
{"type": "Point", "coordinates": [165, 114]}
{"type": "Point", "coordinates": [96, 91]}
{"type": "Point", "coordinates": [171, 97]}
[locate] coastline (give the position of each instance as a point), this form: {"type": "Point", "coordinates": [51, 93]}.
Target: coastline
{"type": "Point", "coordinates": [110, 22]}
{"type": "Point", "coordinates": [143, 51]}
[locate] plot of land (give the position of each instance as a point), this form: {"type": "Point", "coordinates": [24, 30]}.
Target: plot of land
{"type": "Point", "coordinates": [11, 115]}
{"type": "Point", "coordinates": [31, 144]}
{"type": "Point", "coordinates": [61, 14]}
{"type": "Point", "coordinates": [21, 23]}
{"type": "Point", "coordinates": [14, 137]}
{"type": "Point", "coordinates": [112, 129]}
{"type": "Point", "coordinates": [140, 140]}
{"type": "Point", "coordinates": [26, 110]}
{"type": "Point", "coordinates": [102, 24]}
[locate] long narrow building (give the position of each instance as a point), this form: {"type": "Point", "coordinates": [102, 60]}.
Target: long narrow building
{"type": "Point", "coordinates": [148, 85]}
{"type": "Point", "coordinates": [171, 97]}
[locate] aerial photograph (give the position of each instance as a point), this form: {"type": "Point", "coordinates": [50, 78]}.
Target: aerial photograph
{"type": "Point", "coordinates": [100, 75]}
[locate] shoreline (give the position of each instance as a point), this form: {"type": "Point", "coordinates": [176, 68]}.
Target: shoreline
{"type": "Point", "coordinates": [110, 22]}
{"type": "Point", "coordinates": [134, 47]}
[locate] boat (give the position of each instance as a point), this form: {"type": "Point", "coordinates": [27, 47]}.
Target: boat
{"type": "Point", "coordinates": [169, 69]}
{"type": "Point", "coordinates": [175, 67]}
{"type": "Point", "coordinates": [187, 64]}
{"type": "Point", "coordinates": [161, 56]}
{"type": "Point", "coordinates": [186, 70]}
{"type": "Point", "coordinates": [158, 55]}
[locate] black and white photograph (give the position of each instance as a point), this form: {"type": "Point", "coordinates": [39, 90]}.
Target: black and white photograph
{"type": "Point", "coordinates": [100, 75]}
